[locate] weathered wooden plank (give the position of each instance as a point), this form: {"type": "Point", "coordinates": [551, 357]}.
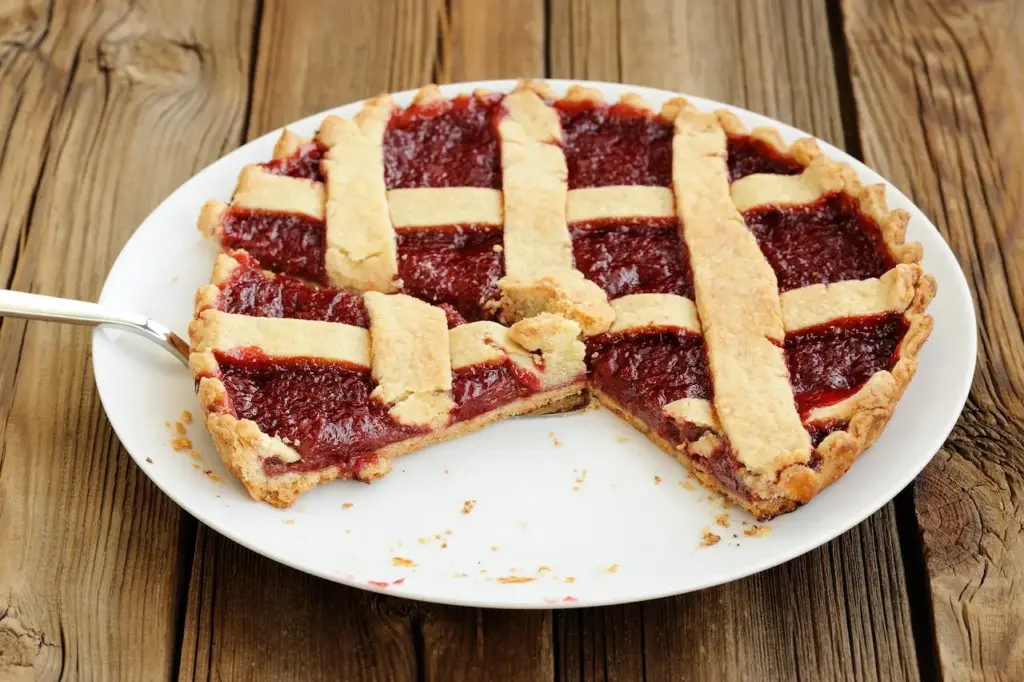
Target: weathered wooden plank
{"type": "Point", "coordinates": [316, 55]}
{"type": "Point", "coordinates": [97, 95]}
{"type": "Point", "coordinates": [947, 76]}
{"type": "Point", "coordinates": [248, 616]}
{"type": "Point", "coordinates": [483, 40]}
{"type": "Point", "coordinates": [840, 612]}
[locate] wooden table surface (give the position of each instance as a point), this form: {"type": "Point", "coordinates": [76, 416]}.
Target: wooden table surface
{"type": "Point", "coordinates": [107, 106]}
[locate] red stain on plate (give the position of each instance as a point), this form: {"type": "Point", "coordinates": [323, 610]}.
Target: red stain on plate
{"type": "Point", "coordinates": [383, 584]}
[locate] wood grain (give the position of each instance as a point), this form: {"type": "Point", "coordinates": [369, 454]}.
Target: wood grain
{"type": "Point", "coordinates": [485, 40]}
{"type": "Point", "coordinates": [840, 612]}
{"type": "Point", "coordinates": [249, 617]}
{"type": "Point", "coordinates": [947, 76]}
{"type": "Point", "coordinates": [96, 95]}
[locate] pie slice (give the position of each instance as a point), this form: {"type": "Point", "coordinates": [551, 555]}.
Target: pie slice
{"type": "Point", "coordinates": [745, 303]}
{"type": "Point", "coordinates": [294, 402]}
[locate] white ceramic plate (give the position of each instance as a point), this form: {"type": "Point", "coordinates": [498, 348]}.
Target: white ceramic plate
{"type": "Point", "coordinates": [572, 502]}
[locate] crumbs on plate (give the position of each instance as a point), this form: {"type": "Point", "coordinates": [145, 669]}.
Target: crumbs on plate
{"type": "Point", "coordinates": [402, 561]}
{"type": "Point", "coordinates": [709, 538]}
{"type": "Point", "coordinates": [722, 520]}
{"type": "Point", "coordinates": [757, 531]}
{"type": "Point", "coordinates": [468, 506]}
{"type": "Point", "coordinates": [515, 579]}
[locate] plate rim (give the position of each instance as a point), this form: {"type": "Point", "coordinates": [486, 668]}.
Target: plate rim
{"type": "Point", "coordinates": [795, 550]}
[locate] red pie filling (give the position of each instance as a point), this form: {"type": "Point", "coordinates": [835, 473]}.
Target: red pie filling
{"type": "Point", "coordinates": [444, 144]}
{"type": "Point", "coordinates": [748, 155]}
{"type": "Point", "coordinates": [827, 241]}
{"type": "Point", "coordinates": [615, 145]}
{"type": "Point", "coordinates": [321, 409]}
{"type": "Point", "coordinates": [819, 430]}
{"type": "Point", "coordinates": [457, 265]}
{"type": "Point", "coordinates": [481, 388]}
{"type": "Point", "coordinates": [289, 243]}
{"type": "Point", "coordinates": [303, 163]}
{"type": "Point", "coordinates": [832, 361]}
{"type": "Point", "coordinates": [250, 291]}
{"type": "Point", "coordinates": [633, 256]}
{"type": "Point", "coordinates": [647, 370]}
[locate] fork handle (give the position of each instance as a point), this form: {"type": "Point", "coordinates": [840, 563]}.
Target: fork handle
{"type": "Point", "coordinates": [38, 307]}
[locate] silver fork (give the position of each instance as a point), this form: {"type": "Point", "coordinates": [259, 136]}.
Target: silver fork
{"type": "Point", "coordinates": [52, 309]}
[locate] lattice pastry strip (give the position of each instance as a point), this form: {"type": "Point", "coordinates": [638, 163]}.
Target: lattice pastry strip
{"type": "Point", "coordinates": [291, 402]}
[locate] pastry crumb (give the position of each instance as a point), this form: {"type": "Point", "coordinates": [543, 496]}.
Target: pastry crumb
{"type": "Point", "coordinates": [446, 471]}
{"type": "Point", "coordinates": [622, 439]}
{"type": "Point", "coordinates": [614, 568]}
{"type": "Point", "coordinates": [195, 455]}
{"type": "Point", "coordinates": [348, 531]}
{"type": "Point", "coordinates": [515, 579]}
{"type": "Point", "coordinates": [196, 467]}
{"type": "Point", "coordinates": [181, 443]}
{"type": "Point", "coordinates": [186, 416]}
{"type": "Point", "coordinates": [575, 488]}
{"type": "Point", "coordinates": [554, 439]}
{"type": "Point", "coordinates": [460, 575]}
{"type": "Point", "coordinates": [167, 423]}
{"type": "Point", "coordinates": [582, 475]}
{"type": "Point", "coordinates": [657, 480]}
{"type": "Point", "coordinates": [686, 485]}
{"type": "Point", "coordinates": [447, 531]}
{"type": "Point", "coordinates": [149, 460]}
{"type": "Point", "coordinates": [402, 561]}
{"type": "Point", "coordinates": [722, 520]}
{"type": "Point", "coordinates": [212, 476]}
{"type": "Point", "coordinates": [757, 531]}
{"type": "Point", "coordinates": [570, 579]}
{"type": "Point", "coordinates": [180, 428]}
{"type": "Point", "coordinates": [289, 522]}
{"type": "Point", "coordinates": [347, 505]}
{"type": "Point", "coordinates": [174, 279]}
{"type": "Point", "coordinates": [495, 548]}
{"type": "Point", "coordinates": [543, 569]}
{"type": "Point", "coordinates": [468, 506]}
{"type": "Point", "coordinates": [709, 538]}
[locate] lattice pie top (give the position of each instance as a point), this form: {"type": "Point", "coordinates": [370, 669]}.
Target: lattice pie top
{"type": "Point", "coordinates": [748, 305]}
